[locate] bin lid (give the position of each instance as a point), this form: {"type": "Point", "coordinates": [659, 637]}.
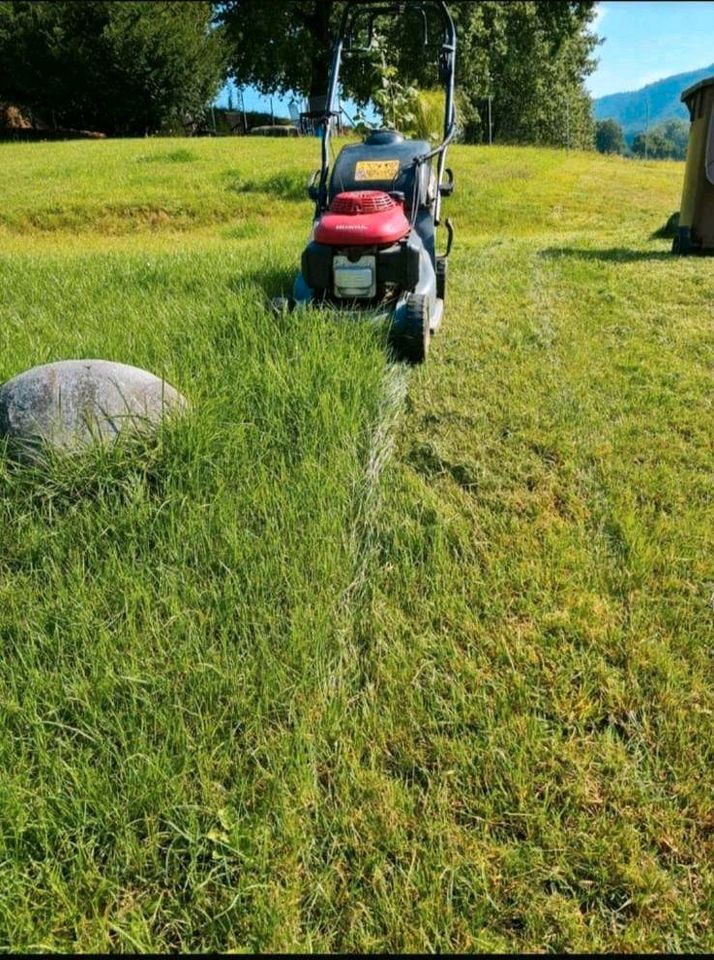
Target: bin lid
{"type": "Point", "coordinates": [690, 91]}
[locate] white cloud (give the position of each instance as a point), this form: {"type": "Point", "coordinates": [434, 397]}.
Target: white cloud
{"type": "Point", "coordinates": [600, 14]}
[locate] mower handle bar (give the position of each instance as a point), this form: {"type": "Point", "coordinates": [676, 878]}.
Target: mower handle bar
{"type": "Point", "coordinates": [448, 49]}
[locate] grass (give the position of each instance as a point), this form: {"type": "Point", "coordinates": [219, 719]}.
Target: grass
{"type": "Point", "coordinates": [356, 658]}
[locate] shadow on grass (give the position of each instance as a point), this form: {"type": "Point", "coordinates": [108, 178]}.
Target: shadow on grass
{"type": "Point", "coordinates": [668, 230]}
{"type": "Point", "coordinates": [273, 281]}
{"type": "Point", "coordinates": [171, 156]}
{"type": "Point", "coordinates": [424, 460]}
{"type": "Point", "coordinates": [288, 185]}
{"type": "Point", "coordinates": [608, 255]}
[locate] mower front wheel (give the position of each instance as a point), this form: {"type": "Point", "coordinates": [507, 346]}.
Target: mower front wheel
{"type": "Point", "coordinates": [410, 336]}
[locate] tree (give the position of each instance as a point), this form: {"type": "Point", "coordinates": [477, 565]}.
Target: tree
{"type": "Point", "coordinates": [125, 68]}
{"type": "Point", "coordinates": [530, 57]}
{"type": "Point", "coordinates": [280, 46]}
{"type": "Point", "coordinates": [609, 137]}
{"type": "Point", "coordinates": [667, 141]}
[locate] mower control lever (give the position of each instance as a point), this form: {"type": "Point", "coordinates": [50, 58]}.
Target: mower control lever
{"type": "Point", "coordinates": [446, 189]}
{"type": "Point", "coordinates": [450, 231]}
{"type": "Point", "coordinates": [313, 187]}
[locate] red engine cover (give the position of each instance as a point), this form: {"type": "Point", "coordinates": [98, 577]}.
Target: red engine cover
{"type": "Point", "coordinates": [363, 218]}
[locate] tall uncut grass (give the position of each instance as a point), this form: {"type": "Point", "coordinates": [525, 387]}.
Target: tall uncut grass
{"type": "Point", "coordinates": [352, 657]}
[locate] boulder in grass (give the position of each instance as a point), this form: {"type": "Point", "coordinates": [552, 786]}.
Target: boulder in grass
{"type": "Point", "coordinates": [72, 403]}
{"type": "Point", "coordinates": [12, 118]}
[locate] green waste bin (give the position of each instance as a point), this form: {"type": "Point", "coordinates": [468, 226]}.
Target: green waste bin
{"type": "Point", "coordinates": [696, 214]}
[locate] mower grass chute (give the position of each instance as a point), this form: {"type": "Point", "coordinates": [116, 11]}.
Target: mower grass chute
{"type": "Point", "coordinates": [377, 209]}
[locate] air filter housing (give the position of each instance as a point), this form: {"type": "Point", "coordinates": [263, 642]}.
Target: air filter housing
{"type": "Point", "coordinates": [362, 201]}
{"type": "Point", "coordinates": [362, 218]}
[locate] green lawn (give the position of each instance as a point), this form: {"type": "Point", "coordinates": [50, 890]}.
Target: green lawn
{"type": "Point", "coordinates": [356, 657]}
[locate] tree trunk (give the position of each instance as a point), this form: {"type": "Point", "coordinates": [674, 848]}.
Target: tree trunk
{"type": "Point", "coordinates": [319, 25]}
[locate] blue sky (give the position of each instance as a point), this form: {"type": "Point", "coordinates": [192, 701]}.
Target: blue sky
{"type": "Point", "coordinates": [643, 42]}
{"type": "Point", "coordinates": [256, 101]}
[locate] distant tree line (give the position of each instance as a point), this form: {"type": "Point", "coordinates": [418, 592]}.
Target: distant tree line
{"type": "Point", "coordinates": [141, 67]}
{"type": "Point", "coordinates": [666, 141]}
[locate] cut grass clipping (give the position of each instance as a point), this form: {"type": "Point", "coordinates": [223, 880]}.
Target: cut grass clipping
{"type": "Point", "coordinates": [353, 658]}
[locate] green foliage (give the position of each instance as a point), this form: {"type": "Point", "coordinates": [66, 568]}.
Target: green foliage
{"type": "Point", "coordinates": [123, 68]}
{"type": "Point", "coordinates": [428, 113]}
{"type": "Point", "coordinates": [531, 57]}
{"type": "Point", "coordinates": [401, 106]}
{"type": "Point", "coordinates": [394, 101]}
{"type": "Point", "coordinates": [609, 137]}
{"type": "Point", "coordinates": [280, 46]}
{"type": "Point", "coordinates": [668, 141]}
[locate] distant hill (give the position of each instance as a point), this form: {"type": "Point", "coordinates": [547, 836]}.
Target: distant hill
{"type": "Point", "coordinates": [629, 109]}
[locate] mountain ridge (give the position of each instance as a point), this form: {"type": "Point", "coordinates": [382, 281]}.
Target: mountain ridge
{"type": "Point", "coordinates": [654, 103]}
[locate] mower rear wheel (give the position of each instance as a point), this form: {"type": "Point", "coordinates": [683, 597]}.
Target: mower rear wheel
{"type": "Point", "coordinates": [411, 340]}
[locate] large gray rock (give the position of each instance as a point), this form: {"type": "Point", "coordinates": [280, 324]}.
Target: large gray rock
{"type": "Point", "coordinates": [75, 402]}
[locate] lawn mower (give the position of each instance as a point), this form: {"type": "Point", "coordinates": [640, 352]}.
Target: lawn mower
{"type": "Point", "coordinates": [373, 243]}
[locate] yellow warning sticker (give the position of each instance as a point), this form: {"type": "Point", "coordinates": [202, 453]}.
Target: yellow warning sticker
{"type": "Point", "coordinates": [376, 169]}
